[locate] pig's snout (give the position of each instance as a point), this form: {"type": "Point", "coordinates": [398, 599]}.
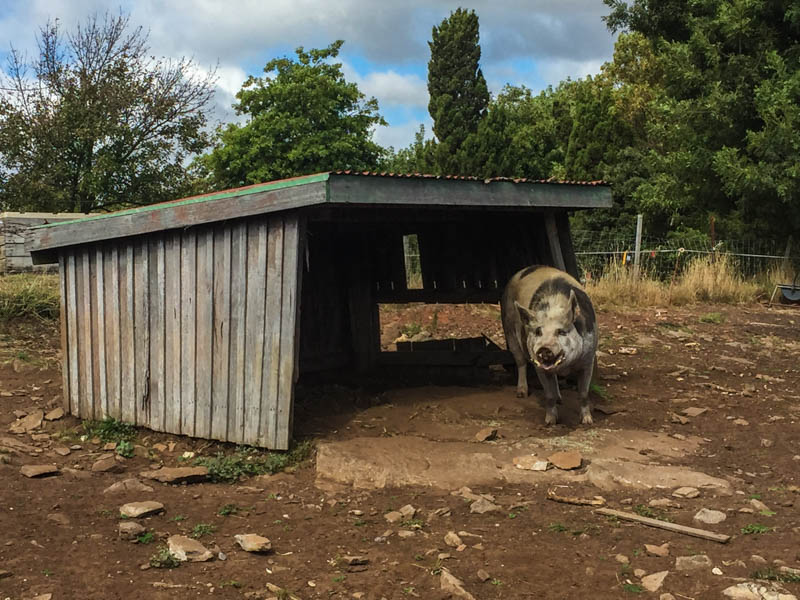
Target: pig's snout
{"type": "Point", "coordinates": [548, 359]}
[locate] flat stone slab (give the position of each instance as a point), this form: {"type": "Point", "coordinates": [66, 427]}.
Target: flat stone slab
{"type": "Point", "coordinates": [127, 485]}
{"type": "Point", "coordinates": [185, 549]}
{"type": "Point", "coordinates": [39, 470]}
{"type": "Point", "coordinates": [28, 423]}
{"type": "Point", "coordinates": [177, 474]}
{"type": "Point", "coordinates": [251, 542]}
{"type": "Point", "coordinates": [140, 509]}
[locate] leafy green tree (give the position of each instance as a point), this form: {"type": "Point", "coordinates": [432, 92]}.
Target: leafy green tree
{"type": "Point", "coordinates": [458, 93]}
{"type": "Point", "coordinates": [95, 122]}
{"type": "Point", "coordinates": [302, 117]}
{"type": "Point", "coordinates": [415, 158]}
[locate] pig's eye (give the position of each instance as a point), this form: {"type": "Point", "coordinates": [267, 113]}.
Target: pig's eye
{"type": "Point", "coordinates": [562, 332]}
{"type": "Point", "coordinates": [538, 332]}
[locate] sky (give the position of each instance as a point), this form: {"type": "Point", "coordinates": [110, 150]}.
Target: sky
{"type": "Point", "coordinates": [535, 43]}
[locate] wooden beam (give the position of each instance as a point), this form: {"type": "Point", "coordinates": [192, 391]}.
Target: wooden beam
{"type": "Point", "coordinates": [692, 531]}
{"type": "Point", "coordinates": [439, 358]}
{"type": "Point", "coordinates": [555, 242]}
{"type": "Point", "coordinates": [462, 296]}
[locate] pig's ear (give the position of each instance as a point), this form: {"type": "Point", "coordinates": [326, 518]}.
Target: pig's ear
{"type": "Point", "coordinates": [573, 305]}
{"type": "Point", "coordinates": [525, 315]}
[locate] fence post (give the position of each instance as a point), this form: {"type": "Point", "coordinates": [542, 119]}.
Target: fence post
{"type": "Point", "coordinates": [638, 246]}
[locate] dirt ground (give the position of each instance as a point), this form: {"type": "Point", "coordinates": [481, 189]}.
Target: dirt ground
{"type": "Point", "coordinates": [59, 534]}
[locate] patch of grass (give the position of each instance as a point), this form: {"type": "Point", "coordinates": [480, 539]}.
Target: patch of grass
{"type": "Point", "coordinates": [162, 559]}
{"type": "Point", "coordinates": [496, 581]}
{"type": "Point", "coordinates": [645, 511]}
{"type": "Point", "coordinates": [26, 295]}
{"type": "Point", "coordinates": [177, 518]}
{"type": "Point", "coordinates": [228, 510]}
{"type": "Point", "coordinates": [411, 329]}
{"type": "Point", "coordinates": [145, 538]}
{"type": "Point", "coordinates": [124, 449]}
{"type": "Point", "coordinates": [771, 575]}
{"type": "Point", "coordinates": [359, 522]}
{"type": "Point", "coordinates": [712, 317]}
{"type": "Point", "coordinates": [338, 578]}
{"type": "Point", "coordinates": [413, 524]}
{"type": "Point", "coordinates": [232, 583]}
{"type": "Point", "coordinates": [202, 529]}
{"type": "Point", "coordinates": [247, 462]}
{"type": "Point", "coordinates": [557, 527]}
{"type": "Point", "coordinates": [47, 572]}
{"type": "Point", "coordinates": [767, 513]}
{"type": "Point", "coordinates": [632, 588]}
{"type": "Point", "coordinates": [755, 529]}
{"type": "Point", "coordinates": [109, 430]}
{"type": "Point", "coordinates": [599, 391]}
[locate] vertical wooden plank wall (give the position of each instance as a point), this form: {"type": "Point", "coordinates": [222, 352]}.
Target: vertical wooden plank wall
{"type": "Point", "coordinates": [190, 332]}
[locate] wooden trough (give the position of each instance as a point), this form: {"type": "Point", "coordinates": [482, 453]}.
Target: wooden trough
{"type": "Point", "coordinates": [197, 316]}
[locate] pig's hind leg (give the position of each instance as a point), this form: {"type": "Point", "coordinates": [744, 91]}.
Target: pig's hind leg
{"type": "Point", "coordinates": [521, 361]}
{"type": "Point", "coordinates": [552, 395]}
{"type": "Point", "coordinates": [584, 383]}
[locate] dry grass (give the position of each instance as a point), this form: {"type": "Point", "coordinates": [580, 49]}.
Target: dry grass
{"type": "Point", "coordinates": [29, 295]}
{"type": "Point", "coordinates": [702, 280]}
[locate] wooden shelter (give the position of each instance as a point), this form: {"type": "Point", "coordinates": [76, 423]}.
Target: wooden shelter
{"type": "Point", "coordinates": [14, 227]}
{"type": "Point", "coordinates": [197, 316]}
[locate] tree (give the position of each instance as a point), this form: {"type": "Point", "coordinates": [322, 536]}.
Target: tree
{"type": "Point", "coordinates": [302, 117]}
{"type": "Point", "coordinates": [458, 93]}
{"type": "Point", "coordinates": [415, 158]}
{"type": "Point", "coordinates": [95, 122]}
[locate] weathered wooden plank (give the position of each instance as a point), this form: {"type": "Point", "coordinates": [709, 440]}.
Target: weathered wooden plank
{"type": "Point", "coordinates": [204, 341]}
{"type": "Point", "coordinates": [567, 250]}
{"type": "Point", "coordinates": [172, 333]}
{"type": "Point", "coordinates": [99, 329]}
{"type": "Point", "coordinates": [113, 364]}
{"type": "Point", "coordinates": [62, 268]}
{"type": "Point", "coordinates": [85, 334]}
{"type": "Point", "coordinates": [157, 293]}
{"type": "Point", "coordinates": [127, 334]}
{"type": "Point", "coordinates": [275, 304]}
{"type": "Point", "coordinates": [188, 325]}
{"type": "Point", "coordinates": [141, 329]}
{"type": "Point", "coordinates": [222, 338]}
{"type": "Point", "coordinates": [254, 336]}
{"type": "Point", "coordinates": [692, 531]}
{"type": "Point", "coordinates": [73, 338]}
{"type": "Point", "coordinates": [238, 328]}
{"type": "Point", "coordinates": [554, 241]}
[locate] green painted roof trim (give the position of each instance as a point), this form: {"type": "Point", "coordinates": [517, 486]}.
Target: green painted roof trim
{"type": "Point", "coordinates": [253, 189]}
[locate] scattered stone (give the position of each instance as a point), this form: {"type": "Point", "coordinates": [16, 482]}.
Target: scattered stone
{"type": "Point", "coordinates": [653, 550]}
{"type": "Point", "coordinates": [759, 560]}
{"type": "Point", "coordinates": [716, 571]}
{"type": "Point", "coordinates": [4, 574]}
{"type": "Point", "coordinates": [406, 533]}
{"type": "Point", "coordinates": [486, 434]}
{"type": "Point", "coordinates": [621, 558]}
{"type": "Point", "coordinates": [185, 549]}
{"type": "Point", "coordinates": [177, 474]}
{"type": "Point", "coordinates": [354, 560]}
{"type": "Point", "coordinates": [663, 503]}
{"type": "Point", "coordinates": [453, 585]}
{"type": "Point", "coordinates": [765, 443]}
{"type": "Point", "coordinates": [130, 530]}
{"type": "Point", "coordinates": [39, 470]}
{"type": "Point", "coordinates": [483, 575]}
{"type": "Point", "coordinates": [40, 437]}
{"type": "Point", "coordinates": [160, 447]}
{"type": "Point", "coordinates": [741, 422]}
{"type": "Point", "coordinates": [676, 418]}
{"type": "Point", "coordinates": [408, 512]}
{"type": "Point", "coordinates": [691, 563]}
{"type": "Point", "coordinates": [393, 516]}
{"type": "Point", "coordinates": [746, 510]}
{"type": "Point", "coordinates": [666, 597]}
{"type": "Point", "coordinates": [482, 505]}
{"type": "Point", "coordinates": [250, 542]}
{"type": "Point", "coordinates": [127, 485]}
{"type": "Point", "coordinates": [789, 570]}
{"type": "Point", "coordinates": [451, 539]}
{"type": "Point", "coordinates": [109, 447]}
{"type": "Point", "coordinates": [686, 492]}
{"type": "Point", "coordinates": [758, 505]}
{"type": "Point", "coordinates": [59, 518]}
{"type": "Point", "coordinates": [531, 463]}
{"type": "Point", "coordinates": [755, 591]}
{"type": "Point", "coordinates": [639, 573]}
{"type": "Point", "coordinates": [107, 463]}
{"type": "Point", "coordinates": [140, 509]}
{"type": "Point", "coordinates": [62, 450]}
{"type": "Point", "coordinates": [709, 517]}
{"type": "Point", "coordinates": [566, 460]}
{"type": "Point", "coordinates": [28, 423]}
{"type": "Point", "coordinates": [653, 582]}
{"type": "Point", "coordinates": [694, 411]}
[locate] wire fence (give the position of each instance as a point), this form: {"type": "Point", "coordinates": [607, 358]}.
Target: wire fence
{"type": "Point", "coordinates": [660, 258]}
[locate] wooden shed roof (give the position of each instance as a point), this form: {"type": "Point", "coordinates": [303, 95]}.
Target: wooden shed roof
{"type": "Point", "coordinates": [331, 188]}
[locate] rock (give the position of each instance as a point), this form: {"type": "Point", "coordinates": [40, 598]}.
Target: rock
{"type": "Point", "coordinates": [716, 571]}
{"type": "Point", "coordinates": [755, 591]}
{"type": "Point", "coordinates": [451, 539]}
{"type": "Point", "coordinates": [62, 450]}
{"type": "Point", "coordinates": [758, 505]}
{"type": "Point", "coordinates": [160, 447]}
{"type": "Point", "coordinates": [76, 473]}
{"type": "Point", "coordinates": [453, 585]}
{"type": "Point", "coordinates": [250, 542]}
{"type": "Point", "coordinates": [140, 509]}
{"type": "Point", "coordinates": [186, 549]}
{"type": "Point", "coordinates": [130, 530]}
{"type": "Point", "coordinates": [59, 518]}
{"type": "Point", "coordinates": [4, 574]}
{"type": "Point", "coordinates": [666, 597]}
{"type": "Point", "coordinates": [54, 414]}
{"type": "Point", "coordinates": [127, 485]}
{"type": "Point", "coordinates": [566, 460]}
{"type": "Point", "coordinates": [686, 492]}
{"type": "Point", "coordinates": [530, 463]}
{"type": "Point", "coordinates": [354, 560]}
{"type": "Point", "coordinates": [709, 517]}
{"type": "Point", "coordinates": [486, 434]}
{"type": "Point", "coordinates": [694, 411]}
{"type": "Point", "coordinates": [663, 503]}
{"type": "Point", "coordinates": [110, 446]}
{"type": "Point", "coordinates": [40, 437]}
{"type": "Point", "coordinates": [482, 505]}
{"type": "Point", "coordinates": [759, 560]}
{"type": "Point", "coordinates": [662, 550]}
{"type": "Point", "coordinates": [177, 474]}
{"type": "Point", "coordinates": [393, 516]}
{"type": "Point", "coordinates": [621, 558]}
{"type": "Point", "coordinates": [28, 423]}
{"type": "Point", "coordinates": [691, 563]}
{"type": "Point", "coordinates": [39, 470]}
{"type": "Point", "coordinates": [483, 575]}
{"type": "Point", "coordinates": [408, 512]}
{"type": "Point", "coordinates": [639, 573]}
{"type": "Point", "coordinates": [766, 443]}
{"type": "Point", "coordinates": [790, 571]}
{"type": "Point", "coordinates": [107, 464]}
{"type": "Point", "coordinates": [748, 511]}
{"type": "Point", "coordinates": [742, 422]}
{"type": "Point", "coordinates": [653, 582]}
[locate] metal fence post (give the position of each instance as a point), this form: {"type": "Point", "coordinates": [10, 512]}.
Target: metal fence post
{"type": "Point", "coordinates": [638, 246]}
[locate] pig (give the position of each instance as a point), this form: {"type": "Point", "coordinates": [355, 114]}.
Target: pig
{"type": "Point", "coordinates": [549, 320]}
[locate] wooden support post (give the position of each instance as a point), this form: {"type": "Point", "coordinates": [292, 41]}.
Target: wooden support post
{"type": "Point", "coordinates": [363, 308]}
{"type": "Point", "coordinates": [552, 238]}
{"type": "Point", "coordinates": [638, 246]}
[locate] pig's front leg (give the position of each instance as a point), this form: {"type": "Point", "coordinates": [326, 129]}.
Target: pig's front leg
{"type": "Point", "coordinates": [552, 395]}
{"type": "Point", "coordinates": [584, 383]}
{"type": "Point", "coordinates": [522, 378]}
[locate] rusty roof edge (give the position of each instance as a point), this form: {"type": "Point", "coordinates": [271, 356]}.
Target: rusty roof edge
{"type": "Point", "coordinates": [551, 181]}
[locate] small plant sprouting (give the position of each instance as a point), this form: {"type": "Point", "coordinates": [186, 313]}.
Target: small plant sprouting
{"type": "Point", "coordinates": [712, 317]}
{"type": "Point", "coordinates": [162, 559]}
{"type": "Point", "coordinates": [202, 529]}
{"type": "Point", "coordinates": [755, 528]}
{"type": "Point", "coordinates": [178, 518]}
{"type": "Point", "coordinates": [632, 588]}
{"type": "Point", "coordinates": [124, 449]}
{"type": "Point", "coordinates": [771, 575]}
{"type": "Point", "coordinates": [227, 510]}
{"type": "Point", "coordinates": [557, 527]}
{"type": "Point", "coordinates": [145, 538]}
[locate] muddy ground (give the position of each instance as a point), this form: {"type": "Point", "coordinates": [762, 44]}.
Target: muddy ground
{"type": "Point", "coordinates": [59, 534]}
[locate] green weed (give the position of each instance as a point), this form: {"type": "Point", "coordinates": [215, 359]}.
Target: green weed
{"type": "Point", "coordinates": [772, 575]}
{"type": "Point", "coordinates": [162, 559]}
{"type": "Point", "coordinates": [712, 317]}
{"type": "Point", "coordinates": [29, 295]}
{"type": "Point", "coordinates": [755, 528]}
{"type": "Point", "coordinates": [145, 538]}
{"type": "Point", "coordinates": [202, 529]}
{"type": "Point", "coordinates": [247, 462]}
{"type": "Point", "coordinates": [557, 527]}
{"type": "Point", "coordinates": [632, 588]}
{"type": "Point", "coordinates": [228, 510]}
{"type": "Point", "coordinates": [109, 430]}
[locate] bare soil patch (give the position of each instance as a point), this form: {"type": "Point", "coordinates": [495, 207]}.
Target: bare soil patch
{"type": "Point", "coordinates": [659, 369]}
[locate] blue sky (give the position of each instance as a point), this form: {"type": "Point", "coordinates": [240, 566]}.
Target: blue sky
{"type": "Point", "coordinates": [524, 42]}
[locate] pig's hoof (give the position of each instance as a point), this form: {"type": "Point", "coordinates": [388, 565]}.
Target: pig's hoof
{"type": "Point", "coordinates": [587, 419]}
{"type": "Point", "coordinates": [522, 393]}
{"type": "Point", "coordinates": [551, 418]}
